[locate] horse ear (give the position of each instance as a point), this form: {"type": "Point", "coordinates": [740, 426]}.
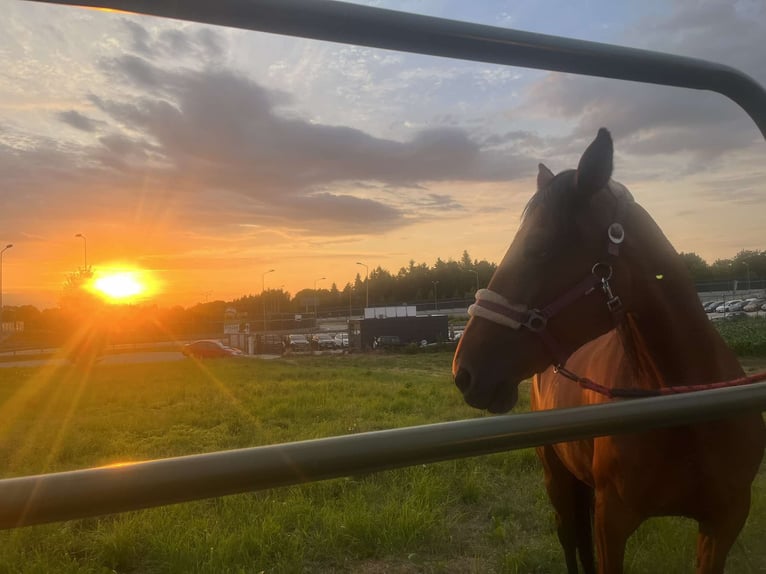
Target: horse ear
{"type": "Point", "coordinates": [596, 164]}
{"type": "Point", "coordinates": [544, 176]}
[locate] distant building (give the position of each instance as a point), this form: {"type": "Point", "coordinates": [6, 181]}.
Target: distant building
{"type": "Point", "coordinates": [391, 328]}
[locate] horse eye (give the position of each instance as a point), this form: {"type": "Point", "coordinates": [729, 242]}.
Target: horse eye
{"type": "Point", "coordinates": [536, 252]}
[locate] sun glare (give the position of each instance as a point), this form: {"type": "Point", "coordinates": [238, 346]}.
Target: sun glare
{"type": "Point", "coordinates": [122, 286]}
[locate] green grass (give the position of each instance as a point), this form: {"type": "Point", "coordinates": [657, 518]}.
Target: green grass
{"type": "Point", "coordinates": [483, 515]}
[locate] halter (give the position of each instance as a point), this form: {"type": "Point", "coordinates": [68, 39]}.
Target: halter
{"type": "Point", "coordinates": [494, 307]}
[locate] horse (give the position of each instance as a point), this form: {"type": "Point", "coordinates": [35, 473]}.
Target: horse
{"type": "Point", "coordinates": [590, 289]}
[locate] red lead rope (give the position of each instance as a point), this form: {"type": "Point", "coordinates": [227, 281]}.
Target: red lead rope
{"type": "Point", "coordinates": [618, 393]}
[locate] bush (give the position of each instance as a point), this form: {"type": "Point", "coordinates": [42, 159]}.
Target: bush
{"type": "Point", "coordinates": [746, 335]}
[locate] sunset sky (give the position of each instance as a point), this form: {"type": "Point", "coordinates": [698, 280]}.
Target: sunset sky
{"type": "Point", "coordinates": [206, 156]}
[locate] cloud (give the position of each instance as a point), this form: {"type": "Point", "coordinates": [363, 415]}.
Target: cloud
{"type": "Point", "coordinates": [236, 151]}
{"type": "Point", "coordinates": [655, 121]}
{"type": "Point", "coordinates": [78, 121]}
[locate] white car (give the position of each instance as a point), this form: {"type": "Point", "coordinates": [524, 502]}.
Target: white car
{"type": "Point", "coordinates": [341, 340]}
{"type": "Point", "coordinates": [726, 307]}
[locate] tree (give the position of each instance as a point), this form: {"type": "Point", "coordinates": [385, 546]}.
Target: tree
{"type": "Point", "coordinates": [698, 267]}
{"type": "Point", "coordinates": [84, 320]}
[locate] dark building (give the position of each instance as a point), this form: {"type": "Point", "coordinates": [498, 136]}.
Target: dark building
{"type": "Point", "coordinates": [392, 331]}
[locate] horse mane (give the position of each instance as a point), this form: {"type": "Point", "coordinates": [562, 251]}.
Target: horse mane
{"type": "Point", "coordinates": [639, 359]}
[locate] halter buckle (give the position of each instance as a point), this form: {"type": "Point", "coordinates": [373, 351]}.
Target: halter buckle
{"type": "Point", "coordinates": [536, 321]}
{"type": "Point", "coordinates": [613, 302]}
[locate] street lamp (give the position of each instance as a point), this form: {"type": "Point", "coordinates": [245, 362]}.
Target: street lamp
{"type": "Point", "coordinates": [3, 250]}
{"type": "Point", "coordinates": [84, 250]}
{"type": "Point", "coordinates": [315, 298]}
{"type": "Point", "coordinates": [366, 283]}
{"type": "Point", "coordinates": [477, 276]}
{"type": "Point", "coordinates": [263, 296]}
{"type": "Point", "coordinates": [436, 296]}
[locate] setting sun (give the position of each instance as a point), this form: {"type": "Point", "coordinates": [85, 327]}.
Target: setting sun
{"type": "Point", "coordinates": [122, 285]}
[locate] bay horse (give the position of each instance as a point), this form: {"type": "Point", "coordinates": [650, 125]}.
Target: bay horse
{"type": "Point", "coordinates": [591, 287]}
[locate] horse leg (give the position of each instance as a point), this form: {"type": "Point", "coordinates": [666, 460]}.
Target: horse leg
{"type": "Point", "coordinates": [716, 537]}
{"type": "Point", "coordinates": [571, 500]}
{"type": "Point", "coordinates": [613, 525]}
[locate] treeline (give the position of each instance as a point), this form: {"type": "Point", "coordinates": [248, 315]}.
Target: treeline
{"type": "Point", "coordinates": [747, 265]}
{"type": "Point", "coordinates": [417, 283]}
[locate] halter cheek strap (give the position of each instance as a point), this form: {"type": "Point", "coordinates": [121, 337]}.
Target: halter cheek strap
{"type": "Point", "coordinates": [496, 308]}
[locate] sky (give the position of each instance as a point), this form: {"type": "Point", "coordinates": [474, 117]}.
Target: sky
{"type": "Point", "coordinates": [206, 156]}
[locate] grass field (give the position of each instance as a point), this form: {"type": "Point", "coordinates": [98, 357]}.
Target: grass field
{"type": "Point", "coordinates": [482, 515]}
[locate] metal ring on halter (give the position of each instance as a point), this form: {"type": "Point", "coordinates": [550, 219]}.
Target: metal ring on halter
{"type": "Point", "coordinates": [602, 270]}
{"type": "Point", "coordinates": [616, 233]}
{"type": "Point", "coordinates": [536, 321]}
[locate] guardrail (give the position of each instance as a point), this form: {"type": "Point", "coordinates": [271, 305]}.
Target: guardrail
{"type": "Point", "coordinates": [45, 498]}
{"type": "Point", "coordinates": [62, 496]}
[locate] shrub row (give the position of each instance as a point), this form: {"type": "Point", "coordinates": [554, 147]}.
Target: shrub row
{"type": "Point", "coordinates": [746, 335]}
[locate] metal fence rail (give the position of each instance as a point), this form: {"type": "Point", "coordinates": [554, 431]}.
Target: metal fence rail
{"type": "Point", "coordinates": [375, 27]}
{"type": "Point", "coordinates": [62, 496]}
{"type": "Point", "coordinates": [67, 495]}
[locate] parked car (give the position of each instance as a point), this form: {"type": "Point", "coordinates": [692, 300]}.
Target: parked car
{"type": "Point", "coordinates": [726, 307]}
{"type": "Point", "coordinates": [209, 349]}
{"type": "Point", "coordinates": [323, 342]}
{"type": "Point", "coordinates": [754, 305]}
{"type": "Point", "coordinates": [387, 342]}
{"type": "Point", "coordinates": [298, 343]}
{"type": "Point", "coordinates": [738, 306]}
{"type": "Point", "coordinates": [341, 340]}
{"type": "Point", "coordinates": [710, 306]}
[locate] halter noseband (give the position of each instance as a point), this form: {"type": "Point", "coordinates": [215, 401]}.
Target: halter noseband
{"type": "Point", "coordinates": [496, 308]}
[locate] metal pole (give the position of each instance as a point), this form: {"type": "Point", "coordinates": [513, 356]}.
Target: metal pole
{"type": "Point", "coordinates": [379, 28]}
{"type": "Point", "coordinates": [366, 283]}
{"type": "Point", "coordinates": [263, 294]}
{"type": "Point", "coordinates": [477, 276]}
{"type": "Point", "coordinates": [3, 250]}
{"type": "Point", "coordinates": [84, 250]}
{"type": "Point", "coordinates": [316, 319]}
{"type": "Point", "coordinates": [436, 296]}
{"type": "Point", "coordinates": [81, 493]}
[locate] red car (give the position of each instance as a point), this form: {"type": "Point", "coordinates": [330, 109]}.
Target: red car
{"type": "Point", "coordinates": [209, 349]}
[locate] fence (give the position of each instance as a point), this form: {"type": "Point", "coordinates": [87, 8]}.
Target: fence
{"type": "Point", "coordinates": [46, 498]}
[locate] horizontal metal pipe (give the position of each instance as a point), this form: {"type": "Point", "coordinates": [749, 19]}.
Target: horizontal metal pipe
{"type": "Point", "coordinates": [77, 494]}
{"type": "Point", "coordinates": [380, 28]}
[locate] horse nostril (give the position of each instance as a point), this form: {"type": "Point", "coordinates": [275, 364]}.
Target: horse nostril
{"type": "Point", "coordinates": [463, 380]}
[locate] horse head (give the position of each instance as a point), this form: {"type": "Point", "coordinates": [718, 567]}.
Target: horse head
{"type": "Point", "coordinates": [563, 281]}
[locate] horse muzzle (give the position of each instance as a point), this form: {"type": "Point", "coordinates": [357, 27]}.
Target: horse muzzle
{"type": "Point", "coordinates": [498, 397]}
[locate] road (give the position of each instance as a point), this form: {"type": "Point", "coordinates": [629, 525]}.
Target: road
{"type": "Point", "coordinates": [116, 359]}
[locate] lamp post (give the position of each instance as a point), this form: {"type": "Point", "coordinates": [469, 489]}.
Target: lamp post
{"type": "Point", "coordinates": [315, 298]}
{"type": "Point", "coordinates": [263, 294]}
{"type": "Point", "coordinates": [84, 250]}
{"type": "Point", "coordinates": [436, 296]}
{"type": "Point", "coordinates": [366, 283]}
{"type": "Point", "coordinates": [3, 250]}
{"type": "Point", "coordinates": [747, 265]}
{"type": "Point", "coordinates": [476, 273]}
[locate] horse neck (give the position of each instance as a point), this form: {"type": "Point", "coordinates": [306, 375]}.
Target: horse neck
{"type": "Point", "coordinates": [667, 336]}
